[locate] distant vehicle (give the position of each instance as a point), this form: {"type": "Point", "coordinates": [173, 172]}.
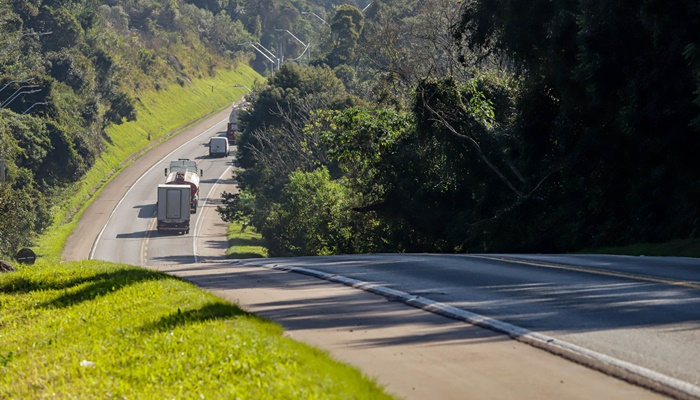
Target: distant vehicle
{"type": "Point", "coordinates": [231, 134]}
{"type": "Point", "coordinates": [173, 208]}
{"type": "Point", "coordinates": [218, 147]}
{"type": "Point", "coordinates": [184, 172]}
{"type": "Point", "coordinates": [232, 126]}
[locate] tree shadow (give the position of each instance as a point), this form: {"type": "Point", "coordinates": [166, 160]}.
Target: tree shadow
{"type": "Point", "coordinates": [174, 259]}
{"type": "Point", "coordinates": [99, 285]}
{"type": "Point", "coordinates": [209, 312]}
{"type": "Point", "coordinates": [210, 181]}
{"type": "Point", "coordinates": [245, 242]}
{"type": "Point", "coordinates": [241, 256]}
{"type": "Point", "coordinates": [574, 305]}
{"type": "Point", "coordinates": [216, 244]}
{"type": "Point", "coordinates": [343, 310]}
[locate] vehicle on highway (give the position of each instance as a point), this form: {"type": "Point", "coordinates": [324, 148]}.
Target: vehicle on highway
{"type": "Point", "coordinates": [232, 126]}
{"type": "Point", "coordinates": [184, 171]}
{"type": "Point", "coordinates": [231, 134]}
{"type": "Point", "coordinates": [173, 208]}
{"type": "Point", "coordinates": [218, 147]}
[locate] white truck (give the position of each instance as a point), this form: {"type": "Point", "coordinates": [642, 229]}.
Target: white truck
{"type": "Point", "coordinates": [173, 208]}
{"type": "Point", "coordinates": [218, 147]}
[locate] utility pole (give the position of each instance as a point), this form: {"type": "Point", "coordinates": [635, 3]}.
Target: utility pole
{"type": "Point", "coordinates": [257, 47]}
{"type": "Point", "coordinates": [306, 46]}
{"type": "Point", "coordinates": [35, 34]}
{"type": "Point", "coordinates": [14, 95]}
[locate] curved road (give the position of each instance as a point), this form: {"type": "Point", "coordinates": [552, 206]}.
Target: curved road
{"type": "Point", "coordinates": [130, 236]}
{"type": "Point", "coordinates": [119, 225]}
{"type": "Point", "coordinates": [627, 308]}
{"type": "Point", "coordinates": [641, 310]}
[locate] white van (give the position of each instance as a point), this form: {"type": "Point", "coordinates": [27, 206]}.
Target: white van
{"type": "Point", "coordinates": [218, 147]}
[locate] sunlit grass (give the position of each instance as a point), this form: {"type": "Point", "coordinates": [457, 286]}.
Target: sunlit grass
{"type": "Point", "coordinates": [244, 243]}
{"type": "Point", "coordinates": [94, 329]}
{"type": "Point", "coordinates": [160, 115]}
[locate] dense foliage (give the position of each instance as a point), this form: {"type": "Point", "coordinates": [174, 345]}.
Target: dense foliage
{"type": "Point", "coordinates": [609, 104]}
{"type": "Point", "coordinates": [482, 125]}
{"type": "Point", "coordinates": [485, 125]}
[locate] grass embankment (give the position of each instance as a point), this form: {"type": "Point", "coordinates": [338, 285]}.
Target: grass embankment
{"type": "Point", "coordinates": [160, 115]}
{"type": "Point", "coordinates": [94, 329]}
{"type": "Point", "coordinates": [244, 243]}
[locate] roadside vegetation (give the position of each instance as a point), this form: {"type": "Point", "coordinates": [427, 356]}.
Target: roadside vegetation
{"type": "Point", "coordinates": [72, 72]}
{"type": "Point", "coordinates": [94, 329]}
{"type": "Point", "coordinates": [443, 126]}
{"type": "Point", "coordinates": [244, 242]}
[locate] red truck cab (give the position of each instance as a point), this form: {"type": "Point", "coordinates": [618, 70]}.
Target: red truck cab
{"type": "Point", "coordinates": [231, 133]}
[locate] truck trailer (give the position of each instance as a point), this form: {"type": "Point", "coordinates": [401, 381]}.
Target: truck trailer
{"type": "Point", "coordinates": [173, 208]}
{"type": "Point", "coordinates": [184, 172]}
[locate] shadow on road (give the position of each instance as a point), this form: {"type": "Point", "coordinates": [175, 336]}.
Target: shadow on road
{"type": "Point", "coordinates": [146, 211]}
{"type": "Point", "coordinates": [133, 235]}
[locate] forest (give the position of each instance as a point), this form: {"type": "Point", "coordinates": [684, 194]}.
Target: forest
{"type": "Point", "coordinates": [384, 125]}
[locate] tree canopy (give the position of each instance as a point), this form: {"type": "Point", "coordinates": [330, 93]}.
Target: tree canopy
{"type": "Point", "coordinates": [481, 125]}
{"type": "Point", "coordinates": [531, 126]}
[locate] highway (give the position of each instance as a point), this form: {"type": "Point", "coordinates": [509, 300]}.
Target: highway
{"type": "Point", "coordinates": [130, 235]}
{"type": "Point", "coordinates": [641, 313]}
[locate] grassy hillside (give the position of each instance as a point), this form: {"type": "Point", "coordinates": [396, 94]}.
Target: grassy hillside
{"type": "Point", "coordinates": [160, 115]}
{"type": "Point", "coordinates": [94, 329]}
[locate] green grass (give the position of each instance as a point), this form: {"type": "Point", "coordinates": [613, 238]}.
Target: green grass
{"type": "Point", "coordinates": [93, 329]}
{"type": "Point", "coordinates": [160, 115]}
{"type": "Point", "coordinates": [244, 243]}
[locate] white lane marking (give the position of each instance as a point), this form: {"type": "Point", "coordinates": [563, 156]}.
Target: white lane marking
{"type": "Point", "coordinates": [99, 236]}
{"type": "Point", "coordinates": [196, 225]}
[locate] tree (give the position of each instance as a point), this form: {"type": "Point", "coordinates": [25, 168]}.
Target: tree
{"type": "Point", "coordinates": [15, 220]}
{"type": "Point", "coordinates": [312, 218]}
{"type": "Point", "coordinates": [346, 28]}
